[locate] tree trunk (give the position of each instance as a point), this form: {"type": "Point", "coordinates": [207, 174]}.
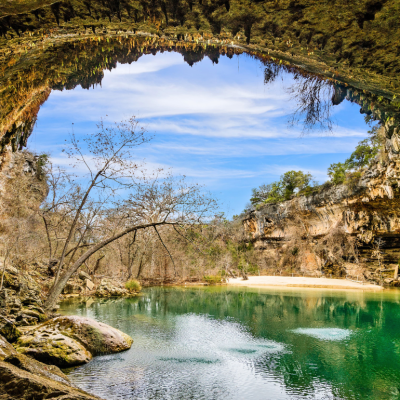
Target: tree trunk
{"type": "Point", "coordinates": [59, 285]}
{"type": "Point", "coordinates": [140, 268]}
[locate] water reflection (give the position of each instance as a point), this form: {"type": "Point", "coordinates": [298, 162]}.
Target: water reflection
{"type": "Point", "coordinates": [228, 344]}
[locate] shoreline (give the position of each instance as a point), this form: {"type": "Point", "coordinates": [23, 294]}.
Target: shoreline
{"type": "Point", "coordinates": [302, 282]}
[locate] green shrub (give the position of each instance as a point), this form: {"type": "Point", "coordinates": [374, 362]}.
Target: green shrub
{"type": "Point", "coordinates": [290, 183]}
{"type": "Point", "coordinates": [365, 152]}
{"type": "Point", "coordinates": [252, 269]}
{"type": "Point", "coordinates": [337, 172]}
{"type": "Point", "coordinates": [213, 279]}
{"type": "Point", "coordinates": [133, 285]}
{"type": "Point", "coordinates": [41, 163]}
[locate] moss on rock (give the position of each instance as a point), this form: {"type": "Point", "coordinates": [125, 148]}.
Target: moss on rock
{"type": "Point", "coordinates": [70, 341]}
{"type": "Point", "coordinates": [51, 347]}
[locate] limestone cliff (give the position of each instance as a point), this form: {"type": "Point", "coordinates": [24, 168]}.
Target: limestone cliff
{"type": "Point", "coordinates": [365, 215]}
{"type": "Point", "coordinates": [23, 186]}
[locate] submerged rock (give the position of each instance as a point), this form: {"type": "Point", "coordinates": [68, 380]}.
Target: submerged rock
{"type": "Point", "coordinates": [70, 341]}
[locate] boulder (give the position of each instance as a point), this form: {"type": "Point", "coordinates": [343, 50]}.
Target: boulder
{"type": "Point", "coordinates": [89, 284]}
{"type": "Point", "coordinates": [16, 383]}
{"type": "Point", "coordinates": [97, 337]}
{"type": "Point", "coordinates": [10, 331]}
{"type": "Point", "coordinates": [52, 347]}
{"type": "Point", "coordinates": [83, 275]}
{"type": "Point", "coordinates": [108, 288]}
{"type": "Point", "coordinates": [6, 349]}
{"type": "Point", "coordinates": [71, 340]}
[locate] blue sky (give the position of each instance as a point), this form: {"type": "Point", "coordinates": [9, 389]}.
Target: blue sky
{"type": "Point", "coordinates": [217, 124]}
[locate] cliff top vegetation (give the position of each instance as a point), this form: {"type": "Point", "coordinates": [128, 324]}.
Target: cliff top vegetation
{"type": "Point", "coordinates": [299, 183]}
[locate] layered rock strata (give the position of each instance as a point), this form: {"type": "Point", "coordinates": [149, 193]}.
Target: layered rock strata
{"type": "Point", "coordinates": [367, 211]}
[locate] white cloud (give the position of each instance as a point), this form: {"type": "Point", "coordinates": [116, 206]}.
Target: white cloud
{"type": "Point", "coordinates": [258, 148]}
{"type": "Point", "coordinates": [212, 124]}
{"type": "Point", "coordinates": [146, 65]}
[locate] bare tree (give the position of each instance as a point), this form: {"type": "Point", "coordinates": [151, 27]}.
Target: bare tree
{"type": "Point", "coordinates": [121, 190]}
{"type": "Point", "coordinates": [58, 209]}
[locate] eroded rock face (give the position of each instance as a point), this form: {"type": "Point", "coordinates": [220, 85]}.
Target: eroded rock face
{"type": "Point", "coordinates": [6, 349]}
{"type": "Point", "coordinates": [366, 212]}
{"type": "Point", "coordinates": [70, 341]}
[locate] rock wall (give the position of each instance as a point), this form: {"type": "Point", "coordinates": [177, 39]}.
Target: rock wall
{"type": "Point", "coordinates": [357, 37]}
{"type": "Point", "coordinates": [367, 212]}
{"type": "Point", "coordinates": [23, 185]}
{"type": "Point", "coordinates": [352, 43]}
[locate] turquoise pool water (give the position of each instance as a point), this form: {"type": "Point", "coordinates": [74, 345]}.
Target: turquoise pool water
{"type": "Point", "coordinates": [230, 343]}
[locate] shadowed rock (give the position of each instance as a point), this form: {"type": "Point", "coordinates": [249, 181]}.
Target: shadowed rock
{"type": "Point", "coordinates": [36, 367]}
{"type": "Point", "coordinates": [6, 348]}
{"type": "Point", "coordinates": [16, 383]}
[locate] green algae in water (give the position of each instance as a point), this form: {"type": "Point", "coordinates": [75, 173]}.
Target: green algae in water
{"type": "Point", "coordinates": [229, 343]}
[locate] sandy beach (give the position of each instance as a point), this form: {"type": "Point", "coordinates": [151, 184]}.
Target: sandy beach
{"type": "Point", "coordinates": [288, 281]}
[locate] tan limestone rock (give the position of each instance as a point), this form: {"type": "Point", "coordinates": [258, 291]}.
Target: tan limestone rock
{"type": "Point", "coordinates": [71, 340]}
{"type": "Point", "coordinates": [50, 346]}
{"type": "Point", "coordinates": [6, 348]}
{"type": "Point", "coordinates": [15, 383]}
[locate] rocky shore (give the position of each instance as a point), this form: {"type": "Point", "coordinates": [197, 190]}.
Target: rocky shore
{"type": "Point", "coordinates": [29, 369]}
{"type": "Point", "coordinates": [35, 344]}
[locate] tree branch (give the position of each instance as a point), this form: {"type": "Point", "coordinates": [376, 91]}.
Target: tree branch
{"type": "Point", "coordinates": [58, 286]}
